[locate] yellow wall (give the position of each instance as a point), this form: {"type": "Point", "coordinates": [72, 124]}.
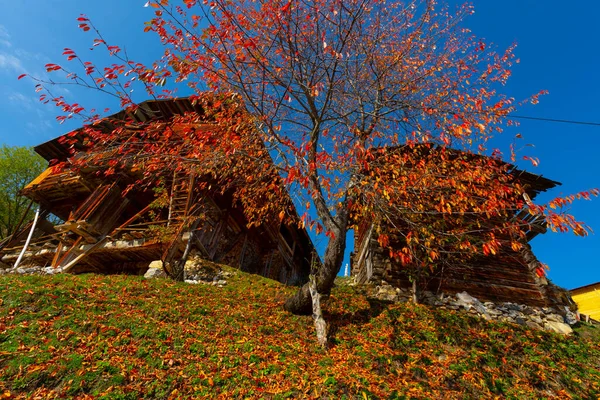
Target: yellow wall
{"type": "Point", "coordinates": [588, 301]}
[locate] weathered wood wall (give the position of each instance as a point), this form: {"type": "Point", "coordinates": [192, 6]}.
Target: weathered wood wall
{"type": "Point", "coordinates": [507, 278]}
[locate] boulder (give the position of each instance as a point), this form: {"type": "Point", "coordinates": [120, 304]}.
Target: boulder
{"type": "Point", "coordinates": [533, 325]}
{"type": "Point", "coordinates": [538, 320]}
{"type": "Point", "coordinates": [570, 316]}
{"type": "Point", "coordinates": [555, 318]}
{"type": "Point", "coordinates": [50, 270]}
{"type": "Point", "coordinates": [467, 301]}
{"type": "Point", "coordinates": [155, 270]}
{"type": "Point", "coordinates": [558, 327]}
{"type": "Point", "coordinates": [386, 293]}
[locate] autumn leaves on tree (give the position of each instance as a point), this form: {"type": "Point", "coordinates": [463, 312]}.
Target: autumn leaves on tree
{"type": "Point", "coordinates": [364, 108]}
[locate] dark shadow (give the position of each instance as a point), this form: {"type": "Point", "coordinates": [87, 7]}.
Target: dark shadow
{"type": "Point", "coordinates": [336, 321]}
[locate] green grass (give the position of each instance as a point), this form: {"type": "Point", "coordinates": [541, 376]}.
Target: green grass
{"type": "Point", "coordinates": [123, 337]}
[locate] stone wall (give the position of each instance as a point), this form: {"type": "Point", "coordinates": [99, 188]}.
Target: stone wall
{"type": "Point", "coordinates": [543, 318]}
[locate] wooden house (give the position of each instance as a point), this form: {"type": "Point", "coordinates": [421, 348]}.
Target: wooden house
{"type": "Point", "coordinates": [104, 228]}
{"type": "Point", "coordinates": [509, 276]}
{"type": "Point", "coordinates": [587, 299]}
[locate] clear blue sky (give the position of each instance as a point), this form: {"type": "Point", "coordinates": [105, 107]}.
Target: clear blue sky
{"type": "Point", "coordinates": [557, 42]}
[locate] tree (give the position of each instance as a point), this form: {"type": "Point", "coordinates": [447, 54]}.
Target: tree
{"type": "Point", "coordinates": [18, 167]}
{"type": "Point", "coordinates": [328, 84]}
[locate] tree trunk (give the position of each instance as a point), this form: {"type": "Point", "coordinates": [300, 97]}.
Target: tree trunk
{"type": "Point", "coordinates": [301, 302]}
{"type": "Point", "coordinates": [415, 298]}
{"type": "Point", "coordinates": [320, 324]}
{"type": "Point", "coordinates": [178, 269]}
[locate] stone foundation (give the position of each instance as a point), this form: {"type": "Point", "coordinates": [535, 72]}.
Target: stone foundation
{"type": "Point", "coordinates": [543, 318]}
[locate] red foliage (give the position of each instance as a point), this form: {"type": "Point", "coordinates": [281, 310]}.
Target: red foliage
{"type": "Point", "coordinates": [327, 84]}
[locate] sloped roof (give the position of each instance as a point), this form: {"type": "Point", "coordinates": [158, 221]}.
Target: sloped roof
{"type": "Point", "coordinates": [585, 287]}
{"type": "Point", "coordinates": [56, 149]}
{"type": "Point", "coordinates": [534, 184]}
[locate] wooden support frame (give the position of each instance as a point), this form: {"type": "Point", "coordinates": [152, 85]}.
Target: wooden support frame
{"type": "Point", "coordinates": [59, 248]}
{"type": "Point", "coordinates": [63, 258]}
{"type": "Point", "coordinates": [78, 258]}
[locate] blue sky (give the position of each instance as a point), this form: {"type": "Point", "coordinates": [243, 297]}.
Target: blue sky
{"type": "Point", "coordinates": [557, 44]}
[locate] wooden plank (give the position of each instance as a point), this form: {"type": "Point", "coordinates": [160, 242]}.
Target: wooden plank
{"type": "Point", "coordinates": [73, 262]}
{"type": "Point", "coordinates": [132, 219]}
{"type": "Point", "coordinates": [59, 248]}
{"type": "Point", "coordinates": [75, 244]}
{"type": "Point", "coordinates": [38, 180]}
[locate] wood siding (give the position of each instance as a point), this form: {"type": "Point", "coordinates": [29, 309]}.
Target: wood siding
{"type": "Point", "coordinates": [588, 300]}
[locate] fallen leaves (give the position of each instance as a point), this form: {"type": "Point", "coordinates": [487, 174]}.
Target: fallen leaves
{"type": "Point", "coordinates": [117, 336]}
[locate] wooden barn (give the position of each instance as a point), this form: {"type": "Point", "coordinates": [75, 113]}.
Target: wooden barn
{"type": "Point", "coordinates": [89, 222]}
{"type": "Point", "coordinates": [509, 276]}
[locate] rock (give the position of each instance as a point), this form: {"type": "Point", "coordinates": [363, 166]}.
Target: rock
{"type": "Point", "coordinates": [386, 293]}
{"type": "Point", "coordinates": [570, 317]}
{"type": "Point", "coordinates": [155, 270]}
{"type": "Point", "coordinates": [513, 307]}
{"type": "Point", "coordinates": [521, 321]}
{"type": "Point", "coordinates": [198, 269]}
{"type": "Point", "coordinates": [50, 270]}
{"type": "Point", "coordinates": [466, 300]}
{"type": "Point", "coordinates": [536, 319]}
{"type": "Point", "coordinates": [533, 325]}
{"type": "Point", "coordinates": [528, 311]}
{"type": "Point", "coordinates": [555, 318]}
{"type": "Point", "coordinates": [222, 282]}
{"type": "Point", "coordinates": [559, 327]}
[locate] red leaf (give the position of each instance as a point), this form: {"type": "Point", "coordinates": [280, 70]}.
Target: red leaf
{"type": "Point", "coordinates": [52, 67]}
{"type": "Point", "coordinates": [533, 160]}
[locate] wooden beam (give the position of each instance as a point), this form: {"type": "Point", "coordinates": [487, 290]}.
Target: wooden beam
{"type": "Point", "coordinates": [61, 259]}
{"type": "Point", "coordinates": [72, 263]}
{"type": "Point", "coordinates": [54, 262]}
{"type": "Point", "coordinates": [130, 220]}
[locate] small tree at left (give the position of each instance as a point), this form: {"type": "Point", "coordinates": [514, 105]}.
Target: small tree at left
{"type": "Point", "coordinates": [18, 167]}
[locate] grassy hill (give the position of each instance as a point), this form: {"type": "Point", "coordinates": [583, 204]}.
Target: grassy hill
{"type": "Point", "coordinates": [125, 337]}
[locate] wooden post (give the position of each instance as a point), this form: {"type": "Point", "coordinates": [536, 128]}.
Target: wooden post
{"type": "Point", "coordinates": [57, 255]}
{"type": "Point", "coordinates": [243, 250]}
{"type": "Point", "coordinates": [35, 219]}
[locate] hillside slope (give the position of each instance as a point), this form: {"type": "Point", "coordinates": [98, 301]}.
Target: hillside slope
{"type": "Point", "coordinates": [126, 337]}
